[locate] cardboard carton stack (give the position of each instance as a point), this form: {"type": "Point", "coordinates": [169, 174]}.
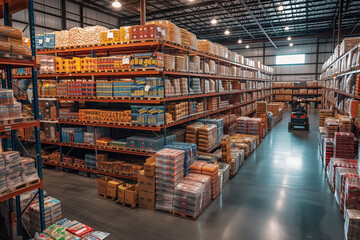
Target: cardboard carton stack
{"type": "Point", "coordinates": [352, 224]}
{"type": "Point", "coordinates": [190, 153]}
{"type": "Point", "coordinates": [188, 198]}
{"type": "Point", "coordinates": [341, 175]}
{"type": "Point", "coordinates": [335, 163]}
{"type": "Point", "coordinates": [328, 150]}
{"type": "Point", "coordinates": [192, 132]}
{"type": "Point", "coordinates": [274, 108]}
{"type": "Point", "coordinates": [168, 173]}
{"type": "Point", "coordinates": [261, 107]}
{"type": "Point", "coordinates": [323, 115]}
{"type": "Point", "coordinates": [146, 194]}
{"type": "Point", "coordinates": [344, 145]}
{"type": "Point", "coordinates": [352, 193]}
{"type": "Point", "coordinates": [345, 124]}
{"type": "Point", "coordinates": [332, 126]}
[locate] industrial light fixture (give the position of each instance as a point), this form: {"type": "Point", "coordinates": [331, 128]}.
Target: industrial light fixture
{"type": "Point", "coordinates": [291, 44]}
{"type": "Point", "coordinates": [287, 28]}
{"type": "Point", "coordinates": [116, 4]}
{"type": "Point", "coordinates": [240, 41]}
{"type": "Point", "coordinates": [227, 32]}
{"type": "Point", "coordinates": [213, 21]}
{"type": "Point", "coordinates": [280, 8]}
{"type": "Point", "coordinates": [289, 38]}
{"type": "Point", "coordinates": [247, 46]}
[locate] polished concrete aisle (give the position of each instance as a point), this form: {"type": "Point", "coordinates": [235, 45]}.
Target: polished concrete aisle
{"type": "Point", "coordinates": [279, 194]}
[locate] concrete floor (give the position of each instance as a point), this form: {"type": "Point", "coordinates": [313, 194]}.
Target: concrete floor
{"type": "Point", "coordinates": [280, 193]}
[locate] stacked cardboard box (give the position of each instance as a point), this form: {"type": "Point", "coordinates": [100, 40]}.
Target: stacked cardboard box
{"type": "Point", "coordinates": [261, 107]}
{"type": "Point", "coordinates": [352, 224]}
{"type": "Point", "coordinates": [146, 194]}
{"type": "Point", "coordinates": [168, 173]}
{"type": "Point", "coordinates": [323, 115]}
{"type": "Point", "coordinates": [344, 145]}
{"type": "Point", "coordinates": [332, 126]}
{"type": "Point", "coordinates": [328, 151]}
{"type": "Point", "coordinates": [341, 175]}
{"type": "Point", "coordinates": [335, 163]}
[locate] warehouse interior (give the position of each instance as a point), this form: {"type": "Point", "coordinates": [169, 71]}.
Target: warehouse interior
{"type": "Point", "coordinates": [213, 119]}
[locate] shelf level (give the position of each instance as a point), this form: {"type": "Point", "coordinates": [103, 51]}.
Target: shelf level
{"type": "Point", "coordinates": [90, 170]}
{"type": "Point", "coordinates": [21, 191]}
{"type": "Point", "coordinates": [17, 126]}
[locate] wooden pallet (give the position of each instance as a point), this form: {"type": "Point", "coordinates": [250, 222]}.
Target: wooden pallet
{"type": "Point", "coordinates": [182, 215]}
{"type": "Point", "coordinates": [129, 205]}
{"type": "Point", "coordinates": [107, 197]}
{"type": "Point", "coordinates": [78, 165]}
{"type": "Point", "coordinates": [20, 186]}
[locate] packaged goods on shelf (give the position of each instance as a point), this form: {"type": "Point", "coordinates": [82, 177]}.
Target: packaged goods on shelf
{"type": "Point", "coordinates": [52, 211]}
{"type": "Point", "coordinates": [148, 32]}
{"type": "Point", "coordinates": [184, 37]}
{"type": "Point", "coordinates": [345, 124]}
{"type": "Point", "coordinates": [192, 41]}
{"type": "Point", "coordinates": [348, 43]}
{"type": "Point", "coordinates": [149, 142]}
{"type": "Point", "coordinates": [195, 86]}
{"type": "Point", "coordinates": [352, 224]}
{"type": "Point", "coordinates": [335, 163]}
{"type": "Point", "coordinates": [61, 38]}
{"type": "Point", "coordinates": [125, 34]}
{"type": "Point", "coordinates": [332, 126]}
{"type": "Point", "coordinates": [351, 193]}
{"type": "Point", "coordinates": [188, 198]}
{"type": "Point", "coordinates": [168, 173]}
{"type": "Point", "coordinates": [192, 132]}
{"type": "Point", "coordinates": [323, 115]}
{"type": "Point", "coordinates": [195, 64]}
{"type": "Point", "coordinates": [110, 36]}
{"type": "Point", "coordinates": [178, 110]}
{"type": "Point", "coordinates": [180, 63]}
{"type": "Point", "coordinates": [344, 145]}
{"type": "Point", "coordinates": [205, 46]}
{"type": "Point", "coordinates": [219, 124]}
{"type": "Point", "coordinates": [190, 153]}
{"type": "Point", "coordinates": [147, 60]}
{"type": "Point", "coordinates": [341, 175]}
{"type": "Point", "coordinates": [328, 151]}
{"type": "Point", "coordinates": [173, 33]}
{"type": "Point", "coordinates": [207, 138]}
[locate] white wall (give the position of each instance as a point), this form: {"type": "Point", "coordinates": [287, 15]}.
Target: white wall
{"type": "Point", "coordinates": [300, 72]}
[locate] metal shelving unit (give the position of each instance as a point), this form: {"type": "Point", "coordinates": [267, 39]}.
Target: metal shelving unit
{"type": "Point", "coordinates": [108, 50]}
{"type": "Point", "coordinates": [11, 7]}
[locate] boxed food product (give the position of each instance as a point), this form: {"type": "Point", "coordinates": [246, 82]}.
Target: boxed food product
{"type": "Point", "coordinates": [112, 188]}
{"type": "Point", "coordinates": [103, 184]}
{"type": "Point", "coordinates": [146, 200]}
{"type": "Point", "coordinates": [131, 195]}
{"type": "Point", "coordinates": [147, 60]}
{"type": "Point", "coordinates": [146, 183]}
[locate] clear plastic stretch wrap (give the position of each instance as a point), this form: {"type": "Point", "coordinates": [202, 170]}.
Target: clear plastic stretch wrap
{"type": "Point", "coordinates": [352, 224]}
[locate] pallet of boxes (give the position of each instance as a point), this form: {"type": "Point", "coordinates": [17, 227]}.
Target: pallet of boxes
{"type": "Point", "coordinates": [146, 185]}
{"type": "Point", "coordinates": [116, 190]}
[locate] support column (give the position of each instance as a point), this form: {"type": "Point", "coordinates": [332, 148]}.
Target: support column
{"type": "Point", "coordinates": [340, 20]}
{"type": "Point", "coordinates": [63, 14]}
{"type": "Point", "coordinates": [142, 12]}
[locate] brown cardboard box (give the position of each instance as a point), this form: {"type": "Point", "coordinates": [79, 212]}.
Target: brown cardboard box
{"type": "Point", "coordinates": [112, 188]}
{"type": "Point", "coordinates": [131, 195]}
{"type": "Point", "coordinates": [102, 185]}
{"type": "Point", "coordinates": [149, 166]}
{"type": "Point", "coordinates": [146, 200]}
{"type": "Point", "coordinates": [146, 183]}
{"type": "Point", "coordinates": [121, 192]}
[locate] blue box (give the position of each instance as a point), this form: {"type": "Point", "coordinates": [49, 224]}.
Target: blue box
{"type": "Point", "coordinates": [39, 41]}
{"type": "Point", "coordinates": [49, 40]}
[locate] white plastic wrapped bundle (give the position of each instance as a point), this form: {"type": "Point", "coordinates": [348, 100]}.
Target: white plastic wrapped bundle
{"type": "Point", "coordinates": [221, 50]}
{"type": "Point", "coordinates": [195, 64]}
{"type": "Point", "coordinates": [212, 86]}
{"type": "Point", "coordinates": [169, 89]}
{"type": "Point", "coordinates": [222, 70]}
{"type": "Point", "coordinates": [192, 41]}
{"type": "Point", "coordinates": [216, 49]}
{"type": "Point", "coordinates": [169, 62]}
{"type": "Point", "coordinates": [352, 224]}
{"type": "Point", "coordinates": [176, 84]}
{"type": "Point", "coordinates": [226, 52]}
{"type": "Point", "coordinates": [207, 68]}
{"type": "Point", "coordinates": [184, 86]}
{"type": "Point", "coordinates": [92, 35]}
{"type": "Point", "coordinates": [61, 38]}
{"type": "Point", "coordinates": [76, 36]}
{"type": "Point", "coordinates": [180, 63]}
{"type": "Point", "coordinates": [212, 67]}
{"type": "Point", "coordinates": [233, 70]}
{"type": "Point", "coordinates": [205, 46]}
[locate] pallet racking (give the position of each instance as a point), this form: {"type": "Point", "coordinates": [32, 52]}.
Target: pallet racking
{"type": "Point", "coordinates": [333, 78]}
{"type": "Point", "coordinates": [7, 62]}
{"type": "Point", "coordinates": [143, 47]}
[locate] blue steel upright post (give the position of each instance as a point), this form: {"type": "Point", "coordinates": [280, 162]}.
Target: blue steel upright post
{"type": "Point", "coordinates": [36, 109]}
{"type": "Point", "coordinates": [164, 68]}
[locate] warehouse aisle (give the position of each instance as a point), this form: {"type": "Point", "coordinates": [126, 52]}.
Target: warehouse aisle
{"type": "Point", "coordinates": [280, 193]}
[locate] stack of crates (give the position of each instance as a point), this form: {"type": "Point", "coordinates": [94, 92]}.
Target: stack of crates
{"type": "Point", "coordinates": [104, 89]}
{"type": "Point", "coordinates": [90, 160]}
{"type": "Point", "coordinates": [123, 88]}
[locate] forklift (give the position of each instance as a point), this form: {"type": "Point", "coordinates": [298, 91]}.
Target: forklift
{"type": "Point", "coordinates": [299, 115]}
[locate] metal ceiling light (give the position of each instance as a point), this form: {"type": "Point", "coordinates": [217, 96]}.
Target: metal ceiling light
{"type": "Point", "coordinates": [116, 4]}
{"type": "Point", "coordinates": [280, 8]}
{"type": "Point", "coordinates": [227, 32]}
{"type": "Point", "coordinates": [240, 41]}
{"type": "Point", "coordinates": [287, 28]}
{"type": "Point", "coordinates": [213, 21]}
{"type": "Point", "coordinates": [291, 44]}
{"type": "Point", "coordinates": [289, 38]}
{"type": "Point", "coordinates": [247, 46]}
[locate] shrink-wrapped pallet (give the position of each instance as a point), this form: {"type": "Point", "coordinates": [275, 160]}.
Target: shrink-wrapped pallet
{"type": "Point", "coordinates": [205, 46]}
{"type": "Point", "coordinates": [192, 41]}
{"type": "Point", "coordinates": [61, 38]}
{"type": "Point", "coordinates": [192, 132]}
{"type": "Point", "coordinates": [92, 35]}
{"type": "Point", "coordinates": [221, 50]}
{"type": "Point", "coordinates": [173, 33]}
{"type": "Point", "coordinates": [180, 63]}
{"type": "Point", "coordinates": [184, 37]}
{"type": "Point", "coordinates": [20, 49]}
{"type": "Point", "coordinates": [8, 31]}
{"type": "Point", "coordinates": [352, 224]}
{"type": "Point", "coordinates": [76, 36]}
{"type": "Point", "coordinates": [170, 62]}
{"type": "Point", "coordinates": [125, 34]}
{"type": "Point", "coordinates": [216, 49]}
{"type": "Point", "coordinates": [233, 71]}
{"type": "Point", "coordinates": [207, 138]}
{"type": "Point", "coordinates": [212, 67]}
{"type": "Point", "coordinates": [195, 64]}
{"type": "Point", "coordinates": [5, 46]}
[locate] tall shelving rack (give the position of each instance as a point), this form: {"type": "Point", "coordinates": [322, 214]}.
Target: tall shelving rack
{"type": "Point", "coordinates": [336, 90]}
{"type": "Point", "coordinates": [10, 7]}
{"type": "Point", "coordinates": [141, 47]}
